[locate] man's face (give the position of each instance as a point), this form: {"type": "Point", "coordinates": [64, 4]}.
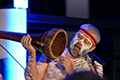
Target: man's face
{"type": "Point", "coordinates": [79, 43]}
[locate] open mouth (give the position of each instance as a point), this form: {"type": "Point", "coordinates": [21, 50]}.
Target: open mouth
{"type": "Point", "coordinates": [77, 47]}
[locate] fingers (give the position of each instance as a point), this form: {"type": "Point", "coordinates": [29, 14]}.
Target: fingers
{"type": "Point", "coordinates": [30, 41]}
{"type": "Point", "coordinates": [68, 54]}
{"type": "Point", "coordinates": [26, 40]}
{"type": "Point", "coordinates": [64, 63]}
{"type": "Point", "coordinates": [22, 39]}
{"type": "Point", "coordinates": [63, 59]}
{"type": "Point", "coordinates": [67, 58]}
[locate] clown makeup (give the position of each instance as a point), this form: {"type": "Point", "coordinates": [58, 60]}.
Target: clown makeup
{"type": "Point", "coordinates": [79, 43]}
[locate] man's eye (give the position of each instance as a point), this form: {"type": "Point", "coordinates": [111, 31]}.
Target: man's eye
{"type": "Point", "coordinates": [87, 41]}
{"type": "Point", "coordinates": [80, 36]}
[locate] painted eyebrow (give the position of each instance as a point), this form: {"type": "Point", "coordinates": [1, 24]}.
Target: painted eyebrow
{"type": "Point", "coordinates": [86, 37]}
{"type": "Point", "coordinates": [79, 33]}
{"type": "Point", "coordinates": [88, 40]}
{"type": "Point", "coordinates": [89, 35]}
{"type": "Point", "coordinates": [83, 34]}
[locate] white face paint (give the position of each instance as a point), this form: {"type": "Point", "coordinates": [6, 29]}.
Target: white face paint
{"type": "Point", "coordinates": [81, 41]}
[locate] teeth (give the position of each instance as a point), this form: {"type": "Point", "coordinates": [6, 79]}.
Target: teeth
{"type": "Point", "coordinates": [76, 47]}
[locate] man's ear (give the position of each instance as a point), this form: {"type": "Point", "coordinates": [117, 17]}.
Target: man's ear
{"type": "Point", "coordinates": [92, 48]}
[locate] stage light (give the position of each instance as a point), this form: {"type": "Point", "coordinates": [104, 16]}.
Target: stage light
{"type": "Point", "coordinates": [4, 4]}
{"type": "Point", "coordinates": [20, 3]}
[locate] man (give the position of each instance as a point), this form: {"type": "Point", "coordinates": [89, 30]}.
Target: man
{"type": "Point", "coordinates": [72, 60]}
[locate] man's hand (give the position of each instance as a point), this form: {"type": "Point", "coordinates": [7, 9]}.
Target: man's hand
{"type": "Point", "coordinates": [67, 63]}
{"type": "Point", "coordinates": [26, 42]}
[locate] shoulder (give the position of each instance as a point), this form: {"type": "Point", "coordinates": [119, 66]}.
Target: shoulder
{"type": "Point", "coordinates": [1, 78]}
